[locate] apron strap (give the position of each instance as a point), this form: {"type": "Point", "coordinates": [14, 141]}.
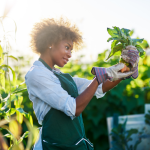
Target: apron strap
{"type": "Point", "coordinates": [45, 64]}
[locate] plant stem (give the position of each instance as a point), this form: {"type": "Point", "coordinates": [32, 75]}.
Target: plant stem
{"type": "Point", "coordinates": [10, 142]}
{"type": "Point", "coordinates": [127, 146]}
{"type": "Point", "coordinates": [9, 84]}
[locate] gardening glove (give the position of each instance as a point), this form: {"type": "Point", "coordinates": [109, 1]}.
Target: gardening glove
{"type": "Point", "coordinates": [131, 55]}
{"type": "Point", "coordinates": [112, 73]}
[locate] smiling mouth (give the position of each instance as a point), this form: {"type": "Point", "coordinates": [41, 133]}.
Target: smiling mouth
{"type": "Point", "coordinates": [66, 60]}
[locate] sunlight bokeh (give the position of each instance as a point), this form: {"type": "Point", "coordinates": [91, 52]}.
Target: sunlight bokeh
{"type": "Point", "coordinates": [92, 18]}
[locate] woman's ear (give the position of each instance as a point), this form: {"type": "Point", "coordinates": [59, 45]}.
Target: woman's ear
{"type": "Point", "coordinates": [51, 46]}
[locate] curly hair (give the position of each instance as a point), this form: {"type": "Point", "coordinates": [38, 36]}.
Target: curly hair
{"type": "Point", "coordinates": [51, 31]}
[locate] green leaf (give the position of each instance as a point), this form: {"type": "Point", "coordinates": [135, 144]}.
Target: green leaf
{"type": "Point", "coordinates": [134, 41]}
{"type": "Point", "coordinates": [28, 116]}
{"type": "Point", "coordinates": [22, 111]}
{"type": "Point", "coordinates": [118, 53]}
{"type": "Point", "coordinates": [112, 32]}
{"type": "Point", "coordinates": [2, 78]}
{"type": "Point", "coordinates": [114, 43]}
{"type": "Point", "coordinates": [119, 32]}
{"type": "Point", "coordinates": [1, 55]}
{"type": "Point", "coordinates": [25, 135]}
{"type": "Point", "coordinates": [118, 48]}
{"type": "Point", "coordinates": [19, 91]}
{"type": "Point", "coordinates": [115, 131]}
{"type": "Point", "coordinates": [13, 57]}
{"type": "Point", "coordinates": [18, 102]}
{"type": "Point", "coordinates": [131, 131]}
{"type": "Point", "coordinates": [139, 48]}
{"type": "Point", "coordinates": [121, 40]}
{"type": "Point", "coordinates": [112, 38]}
{"type": "Point", "coordinates": [126, 31]}
{"type": "Point", "coordinates": [129, 41]}
{"type": "Point", "coordinates": [13, 72]}
{"type": "Point", "coordinates": [8, 136]}
{"type": "Point", "coordinates": [141, 51]}
{"type": "Point", "coordinates": [10, 111]}
{"type": "Point", "coordinates": [131, 32]}
{"type": "Point", "coordinates": [124, 36]}
{"type": "Point", "coordinates": [144, 44]}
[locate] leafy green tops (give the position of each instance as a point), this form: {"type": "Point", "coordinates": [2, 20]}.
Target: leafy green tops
{"type": "Point", "coordinates": [120, 39]}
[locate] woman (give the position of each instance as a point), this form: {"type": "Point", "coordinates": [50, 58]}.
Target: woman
{"type": "Point", "coordinates": [59, 99]}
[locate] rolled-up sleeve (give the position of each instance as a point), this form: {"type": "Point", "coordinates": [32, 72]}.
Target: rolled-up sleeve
{"type": "Point", "coordinates": [49, 90]}
{"type": "Point", "coordinates": [82, 84]}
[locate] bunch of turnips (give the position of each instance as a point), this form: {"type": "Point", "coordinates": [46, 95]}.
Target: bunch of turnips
{"type": "Point", "coordinates": [128, 49]}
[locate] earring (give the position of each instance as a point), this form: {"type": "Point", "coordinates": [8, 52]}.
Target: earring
{"type": "Point", "coordinates": [50, 47]}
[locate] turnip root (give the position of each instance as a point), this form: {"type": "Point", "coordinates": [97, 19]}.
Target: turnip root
{"type": "Point", "coordinates": [125, 69]}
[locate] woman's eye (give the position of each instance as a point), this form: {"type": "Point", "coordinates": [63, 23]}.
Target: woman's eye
{"type": "Point", "coordinates": [67, 47]}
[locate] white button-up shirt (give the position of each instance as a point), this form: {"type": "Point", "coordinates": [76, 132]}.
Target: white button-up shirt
{"type": "Point", "coordinates": [45, 92]}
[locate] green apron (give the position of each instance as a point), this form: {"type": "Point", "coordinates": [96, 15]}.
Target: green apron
{"type": "Point", "coordinates": [59, 131]}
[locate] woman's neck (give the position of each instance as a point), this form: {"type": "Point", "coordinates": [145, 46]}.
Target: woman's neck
{"type": "Point", "coordinates": [48, 60]}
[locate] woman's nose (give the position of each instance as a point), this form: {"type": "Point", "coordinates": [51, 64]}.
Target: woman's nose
{"type": "Point", "coordinates": [69, 54]}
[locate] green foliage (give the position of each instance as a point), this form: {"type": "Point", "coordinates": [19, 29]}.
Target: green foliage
{"type": "Point", "coordinates": [144, 44]}
{"type": "Point", "coordinates": [121, 137]}
{"type": "Point", "coordinates": [126, 98]}
{"type": "Point", "coordinates": [121, 38]}
{"type": "Point", "coordinates": [12, 115]}
{"type": "Point", "coordinates": [11, 110]}
{"type": "Point", "coordinates": [147, 118]}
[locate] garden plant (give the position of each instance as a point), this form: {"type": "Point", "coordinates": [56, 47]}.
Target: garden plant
{"type": "Point", "coordinates": [12, 115]}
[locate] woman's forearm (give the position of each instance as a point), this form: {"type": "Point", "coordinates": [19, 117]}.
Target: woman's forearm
{"type": "Point", "coordinates": [84, 98]}
{"type": "Point", "coordinates": [108, 85]}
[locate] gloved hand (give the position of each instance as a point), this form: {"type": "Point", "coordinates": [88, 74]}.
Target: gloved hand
{"type": "Point", "coordinates": [131, 55]}
{"type": "Point", "coordinates": [112, 73]}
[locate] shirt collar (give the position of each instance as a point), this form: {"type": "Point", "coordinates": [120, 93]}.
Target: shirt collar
{"type": "Point", "coordinates": [39, 63]}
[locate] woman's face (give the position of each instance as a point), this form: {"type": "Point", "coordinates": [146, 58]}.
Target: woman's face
{"type": "Point", "coordinates": [61, 52]}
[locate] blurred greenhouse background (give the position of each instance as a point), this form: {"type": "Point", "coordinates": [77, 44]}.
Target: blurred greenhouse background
{"type": "Point", "coordinates": [18, 124]}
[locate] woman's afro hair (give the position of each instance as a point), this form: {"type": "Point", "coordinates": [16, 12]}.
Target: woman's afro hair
{"type": "Point", "coordinates": [51, 31]}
